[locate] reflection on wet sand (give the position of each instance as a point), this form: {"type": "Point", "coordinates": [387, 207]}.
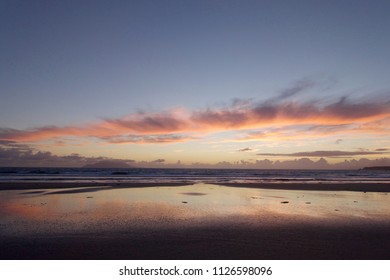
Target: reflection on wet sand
{"type": "Point", "coordinates": [193, 193]}
{"type": "Point", "coordinates": [105, 209]}
{"type": "Point", "coordinates": [193, 222]}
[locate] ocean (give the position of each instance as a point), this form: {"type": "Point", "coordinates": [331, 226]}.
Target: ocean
{"type": "Point", "coordinates": [165, 175]}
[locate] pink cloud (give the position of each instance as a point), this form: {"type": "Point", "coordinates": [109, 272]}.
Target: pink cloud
{"type": "Point", "coordinates": [179, 125]}
{"type": "Point", "coordinates": [266, 114]}
{"type": "Point", "coordinates": [144, 123]}
{"type": "Point", "coordinates": [146, 139]}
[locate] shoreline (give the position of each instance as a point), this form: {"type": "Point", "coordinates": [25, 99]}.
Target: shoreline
{"type": "Point", "coordinates": [354, 187]}
{"type": "Point", "coordinates": [9, 186]}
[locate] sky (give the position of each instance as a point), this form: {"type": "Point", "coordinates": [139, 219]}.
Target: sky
{"type": "Point", "coordinates": [252, 84]}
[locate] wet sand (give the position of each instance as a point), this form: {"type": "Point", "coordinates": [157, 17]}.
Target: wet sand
{"type": "Point", "coordinates": [318, 242]}
{"type": "Point", "coordinates": [133, 221]}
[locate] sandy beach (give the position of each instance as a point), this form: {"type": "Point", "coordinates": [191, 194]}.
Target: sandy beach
{"type": "Point", "coordinates": [201, 221]}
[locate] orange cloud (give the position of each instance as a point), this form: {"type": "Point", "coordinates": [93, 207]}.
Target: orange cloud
{"type": "Point", "coordinates": [178, 125]}
{"type": "Point", "coordinates": [266, 114]}
{"type": "Point", "coordinates": [142, 123]}
{"type": "Point", "coordinates": [146, 139]}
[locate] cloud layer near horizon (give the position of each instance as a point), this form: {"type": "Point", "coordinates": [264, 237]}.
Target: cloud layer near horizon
{"type": "Point", "coordinates": [26, 157]}
{"type": "Point", "coordinates": [279, 117]}
{"type": "Point", "coordinates": [326, 154]}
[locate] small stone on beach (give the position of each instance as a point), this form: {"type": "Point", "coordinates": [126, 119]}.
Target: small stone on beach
{"type": "Point", "coordinates": [284, 202]}
{"type": "Point", "coordinates": [184, 202]}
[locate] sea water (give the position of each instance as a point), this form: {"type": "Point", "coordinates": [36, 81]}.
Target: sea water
{"type": "Point", "coordinates": [170, 175]}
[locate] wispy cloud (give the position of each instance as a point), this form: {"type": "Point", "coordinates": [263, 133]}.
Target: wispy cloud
{"type": "Point", "coordinates": [382, 150]}
{"type": "Point", "coordinates": [298, 87]}
{"type": "Point", "coordinates": [144, 123]}
{"type": "Point", "coordinates": [146, 139]}
{"type": "Point", "coordinates": [245, 150]}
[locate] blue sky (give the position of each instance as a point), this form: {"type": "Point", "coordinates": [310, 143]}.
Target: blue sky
{"type": "Point", "coordinates": [76, 63]}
